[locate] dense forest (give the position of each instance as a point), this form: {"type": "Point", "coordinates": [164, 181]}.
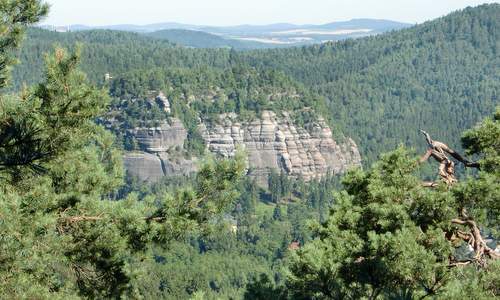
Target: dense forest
{"type": "Point", "coordinates": [114, 52]}
{"type": "Point", "coordinates": [441, 75]}
{"type": "Point", "coordinates": [250, 240]}
{"type": "Point", "coordinates": [73, 225]}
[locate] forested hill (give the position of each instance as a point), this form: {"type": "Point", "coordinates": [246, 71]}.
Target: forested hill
{"type": "Point", "coordinates": [108, 51]}
{"type": "Point", "coordinates": [201, 39]}
{"type": "Point", "coordinates": [443, 76]}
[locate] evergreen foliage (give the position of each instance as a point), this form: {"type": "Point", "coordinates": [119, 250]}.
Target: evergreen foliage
{"type": "Point", "coordinates": [71, 225]}
{"type": "Point", "coordinates": [61, 235]}
{"type": "Point", "coordinates": [441, 76]}
{"type": "Point", "coordinates": [209, 92]}
{"type": "Point", "coordinates": [113, 52]}
{"type": "Point", "coordinates": [389, 237]}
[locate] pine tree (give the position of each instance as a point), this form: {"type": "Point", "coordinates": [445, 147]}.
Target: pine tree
{"type": "Point", "coordinates": [61, 236]}
{"type": "Point", "coordinates": [388, 237]}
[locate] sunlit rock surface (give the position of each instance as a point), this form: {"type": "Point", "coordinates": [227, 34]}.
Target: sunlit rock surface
{"type": "Point", "coordinates": [271, 142]}
{"type": "Point", "coordinates": [276, 143]}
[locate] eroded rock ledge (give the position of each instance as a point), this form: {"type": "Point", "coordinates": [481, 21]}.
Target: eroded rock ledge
{"type": "Point", "coordinates": [271, 143]}
{"type": "Point", "coordinates": [276, 143]}
{"type": "Point", "coordinates": [160, 152]}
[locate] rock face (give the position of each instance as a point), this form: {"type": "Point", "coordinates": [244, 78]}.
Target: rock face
{"type": "Point", "coordinates": [155, 160]}
{"type": "Point", "coordinates": [276, 143]}
{"type": "Point", "coordinates": [161, 138]}
{"type": "Point", "coordinates": [162, 102]}
{"type": "Point", "coordinates": [271, 143]}
{"type": "Point", "coordinates": [143, 165]}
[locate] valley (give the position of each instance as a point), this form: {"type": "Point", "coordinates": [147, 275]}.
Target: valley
{"type": "Point", "coordinates": [281, 161]}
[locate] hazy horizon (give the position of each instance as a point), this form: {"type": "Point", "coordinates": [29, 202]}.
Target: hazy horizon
{"type": "Point", "coordinates": [221, 25]}
{"type": "Point", "coordinates": [238, 12]}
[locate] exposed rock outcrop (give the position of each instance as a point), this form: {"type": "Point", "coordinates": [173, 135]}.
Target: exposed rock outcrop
{"type": "Point", "coordinates": [276, 143]}
{"type": "Point", "coordinates": [156, 143]}
{"type": "Point", "coordinates": [162, 138]}
{"type": "Point", "coordinates": [271, 143]}
{"type": "Point", "coordinates": [163, 102]}
{"type": "Point", "coordinates": [152, 167]}
{"type": "Point", "coordinates": [143, 165]}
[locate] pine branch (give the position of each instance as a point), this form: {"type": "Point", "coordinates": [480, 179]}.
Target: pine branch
{"type": "Point", "coordinates": [475, 240]}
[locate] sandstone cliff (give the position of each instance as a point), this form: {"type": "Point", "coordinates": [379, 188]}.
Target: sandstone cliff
{"type": "Point", "coordinates": [276, 143]}
{"type": "Point", "coordinates": [271, 143]}
{"type": "Point", "coordinates": [160, 152]}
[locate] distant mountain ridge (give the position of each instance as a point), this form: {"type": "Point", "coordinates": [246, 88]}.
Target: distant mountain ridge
{"type": "Point", "coordinates": [251, 36]}
{"type": "Point", "coordinates": [243, 27]}
{"type": "Point", "coordinates": [201, 39]}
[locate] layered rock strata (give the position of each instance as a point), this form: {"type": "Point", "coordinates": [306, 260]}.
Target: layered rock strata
{"type": "Point", "coordinates": [271, 143]}
{"type": "Point", "coordinates": [276, 143]}
{"type": "Point", "coordinates": [159, 156]}
{"type": "Point", "coordinates": [163, 138]}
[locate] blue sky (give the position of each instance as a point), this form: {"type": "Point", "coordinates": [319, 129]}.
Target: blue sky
{"type": "Point", "coordinates": [233, 12]}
